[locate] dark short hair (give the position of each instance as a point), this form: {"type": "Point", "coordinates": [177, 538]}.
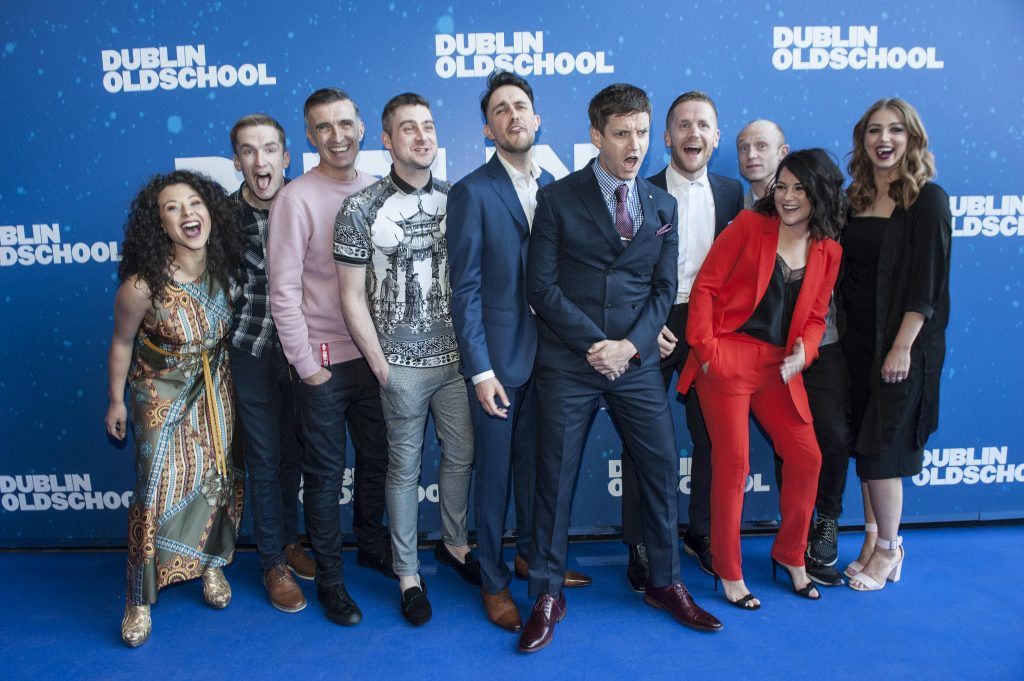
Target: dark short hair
{"type": "Point", "coordinates": [499, 79]}
{"type": "Point", "coordinates": [253, 120]}
{"type": "Point", "coordinates": [327, 95]}
{"type": "Point", "coordinates": [618, 99]}
{"type": "Point", "coordinates": [691, 96]}
{"type": "Point", "coordinates": [823, 183]}
{"type": "Point", "coordinates": [404, 99]}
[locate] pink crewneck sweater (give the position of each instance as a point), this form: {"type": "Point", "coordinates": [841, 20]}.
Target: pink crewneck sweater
{"type": "Point", "coordinates": [304, 297]}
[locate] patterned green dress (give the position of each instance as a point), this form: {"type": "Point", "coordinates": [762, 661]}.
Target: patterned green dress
{"type": "Point", "coordinates": [188, 501]}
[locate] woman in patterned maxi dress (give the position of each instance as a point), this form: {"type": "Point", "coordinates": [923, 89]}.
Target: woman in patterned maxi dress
{"type": "Point", "coordinates": [172, 314]}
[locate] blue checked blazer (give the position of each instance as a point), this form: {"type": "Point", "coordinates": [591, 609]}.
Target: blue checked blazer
{"type": "Point", "coordinates": [585, 286]}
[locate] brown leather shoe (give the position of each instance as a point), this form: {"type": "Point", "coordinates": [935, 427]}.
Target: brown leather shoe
{"type": "Point", "coordinates": [570, 579]}
{"type": "Point", "coordinates": [540, 628]}
{"type": "Point", "coordinates": [285, 594]}
{"type": "Point", "coordinates": [676, 599]}
{"type": "Point", "coordinates": [302, 565]}
{"type": "Point", "coordinates": [501, 609]}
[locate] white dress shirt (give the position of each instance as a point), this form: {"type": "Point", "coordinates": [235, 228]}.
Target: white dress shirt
{"type": "Point", "coordinates": [696, 226]}
{"type": "Point", "coordinates": [525, 185]}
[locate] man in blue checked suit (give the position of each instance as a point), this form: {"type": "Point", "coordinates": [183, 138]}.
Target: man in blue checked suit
{"type": "Point", "coordinates": [601, 276]}
{"type": "Point", "coordinates": [489, 216]}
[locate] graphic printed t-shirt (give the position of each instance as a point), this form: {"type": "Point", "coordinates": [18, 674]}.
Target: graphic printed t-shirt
{"type": "Point", "coordinates": [398, 232]}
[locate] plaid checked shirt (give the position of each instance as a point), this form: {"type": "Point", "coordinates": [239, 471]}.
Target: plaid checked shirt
{"type": "Point", "coordinates": [253, 329]}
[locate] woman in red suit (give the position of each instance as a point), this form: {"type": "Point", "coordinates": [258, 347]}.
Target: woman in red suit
{"type": "Point", "coordinates": [757, 314]}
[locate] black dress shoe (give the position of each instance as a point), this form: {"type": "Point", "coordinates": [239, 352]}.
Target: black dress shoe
{"type": "Point", "coordinates": [469, 571]}
{"type": "Point", "coordinates": [700, 548]}
{"type": "Point", "coordinates": [382, 562]}
{"type": "Point", "coordinates": [339, 606]}
{"type": "Point", "coordinates": [638, 569]}
{"type": "Point", "coordinates": [415, 606]}
{"type": "Point", "coordinates": [540, 628]}
{"type": "Point", "coordinates": [676, 599]}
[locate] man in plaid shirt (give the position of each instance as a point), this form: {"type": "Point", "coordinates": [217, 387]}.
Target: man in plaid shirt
{"type": "Point", "coordinates": [261, 374]}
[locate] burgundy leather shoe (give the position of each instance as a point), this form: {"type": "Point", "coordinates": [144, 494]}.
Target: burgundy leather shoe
{"type": "Point", "coordinates": [540, 628]}
{"type": "Point", "coordinates": [676, 599]}
{"type": "Point", "coordinates": [570, 579]}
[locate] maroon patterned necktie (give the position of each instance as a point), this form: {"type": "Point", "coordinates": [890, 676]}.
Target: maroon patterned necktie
{"type": "Point", "coordinates": [623, 222]}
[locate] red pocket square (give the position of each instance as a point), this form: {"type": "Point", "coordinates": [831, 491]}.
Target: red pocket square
{"type": "Point", "coordinates": [664, 229]}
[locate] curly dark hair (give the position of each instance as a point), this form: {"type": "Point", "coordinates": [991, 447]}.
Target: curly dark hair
{"type": "Point", "coordinates": [147, 251]}
{"type": "Point", "coordinates": [823, 183]}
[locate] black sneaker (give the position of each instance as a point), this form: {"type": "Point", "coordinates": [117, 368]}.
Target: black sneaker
{"type": "Point", "coordinates": [638, 570]}
{"type": "Point", "coordinates": [700, 548]}
{"type": "Point", "coordinates": [339, 606]}
{"type": "Point", "coordinates": [823, 542]}
{"type": "Point", "coordinates": [826, 575]}
{"type": "Point", "coordinates": [382, 562]}
{"type": "Point", "coordinates": [469, 570]}
{"type": "Point", "coordinates": [415, 606]}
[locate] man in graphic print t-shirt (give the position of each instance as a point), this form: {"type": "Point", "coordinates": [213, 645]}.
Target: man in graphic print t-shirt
{"type": "Point", "coordinates": [389, 245]}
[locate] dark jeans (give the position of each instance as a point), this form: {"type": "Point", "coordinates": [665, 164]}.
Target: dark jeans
{"type": "Point", "coordinates": [273, 454]}
{"type": "Point", "coordinates": [351, 394]}
{"type": "Point", "coordinates": [699, 512]}
{"type": "Point", "coordinates": [828, 385]}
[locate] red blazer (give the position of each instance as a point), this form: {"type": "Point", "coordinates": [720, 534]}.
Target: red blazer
{"type": "Point", "coordinates": [731, 283]}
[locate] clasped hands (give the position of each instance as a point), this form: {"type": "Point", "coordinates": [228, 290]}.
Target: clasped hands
{"type": "Point", "coordinates": [611, 357]}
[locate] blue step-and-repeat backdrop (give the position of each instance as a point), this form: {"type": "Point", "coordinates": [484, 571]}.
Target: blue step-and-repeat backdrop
{"type": "Point", "coordinates": [101, 95]}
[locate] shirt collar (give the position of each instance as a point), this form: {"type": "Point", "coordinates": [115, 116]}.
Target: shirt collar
{"type": "Point", "coordinates": [609, 182]}
{"type": "Point", "coordinates": [513, 172]}
{"type": "Point", "coordinates": [407, 188]}
{"type": "Point", "coordinates": [674, 179]}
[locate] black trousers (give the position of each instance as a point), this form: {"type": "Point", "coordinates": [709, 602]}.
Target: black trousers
{"type": "Point", "coordinates": [699, 511]}
{"type": "Point", "coordinates": [828, 387]}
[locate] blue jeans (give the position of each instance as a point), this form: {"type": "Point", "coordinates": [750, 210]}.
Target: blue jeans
{"type": "Point", "coordinates": [409, 394]}
{"type": "Point", "coordinates": [351, 394]}
{"type": "Point", "coordinates": [273, 454]}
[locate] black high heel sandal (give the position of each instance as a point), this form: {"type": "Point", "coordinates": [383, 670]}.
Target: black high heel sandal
{"type": "Point", "coordinates": [805, 592]}
{"type": "Point", "coordinates": [743, 602]}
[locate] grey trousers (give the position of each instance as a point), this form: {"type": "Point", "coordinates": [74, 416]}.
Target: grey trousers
{"type": "Point", "coordinates": [409, 394]}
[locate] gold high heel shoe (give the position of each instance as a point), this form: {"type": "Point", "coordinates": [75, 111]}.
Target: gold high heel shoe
{"type": "Point", "coordinates": [136, 625]}
{"type": "Point", "coordinates": [216, 589]}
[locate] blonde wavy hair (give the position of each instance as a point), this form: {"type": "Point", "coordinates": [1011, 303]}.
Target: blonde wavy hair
{"type": "Point", "coordinates": [915, 168]}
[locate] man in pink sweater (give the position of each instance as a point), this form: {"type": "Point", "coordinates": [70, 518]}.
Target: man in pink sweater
{"type": "Point", "coordinates": [336, 384]}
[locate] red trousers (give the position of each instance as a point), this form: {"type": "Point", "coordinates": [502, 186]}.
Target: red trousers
{"type": "Point", "coordinates": [744, 377]}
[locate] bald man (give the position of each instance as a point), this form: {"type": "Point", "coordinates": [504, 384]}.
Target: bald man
{"type": "Point", "coordinates": [760, 146]}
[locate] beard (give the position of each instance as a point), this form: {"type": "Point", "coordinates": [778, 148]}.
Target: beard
{"type": "Point", "coordinates": [519, 146]}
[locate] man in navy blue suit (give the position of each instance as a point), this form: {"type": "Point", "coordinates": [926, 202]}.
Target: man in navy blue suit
{"type": "Point", "coordinates": [489, 216]}
{"type": "Point", "coordinates": [601, 276]}
{"type": "Point", "coordinates": [707, 204]}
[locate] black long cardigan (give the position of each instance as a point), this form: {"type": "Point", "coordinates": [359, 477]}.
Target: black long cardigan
{"type": "Point", "coordinates": [913, 276]}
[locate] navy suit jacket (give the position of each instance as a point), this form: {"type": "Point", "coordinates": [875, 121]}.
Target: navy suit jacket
{"type": "Point", "coordinates": [488, 236]}
{"type": "Point", "coordinates": [726, 192]}
{"type": "Point", "coordinates": [585, 285]}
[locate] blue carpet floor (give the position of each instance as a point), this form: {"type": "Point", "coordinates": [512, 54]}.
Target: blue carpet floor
{"type": "Point", "coordinates": [957, 614]}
